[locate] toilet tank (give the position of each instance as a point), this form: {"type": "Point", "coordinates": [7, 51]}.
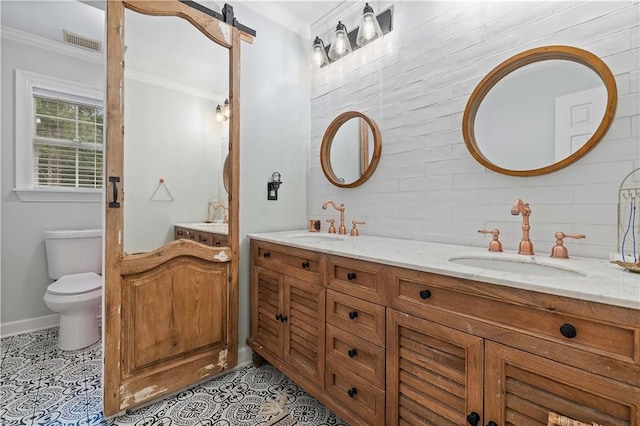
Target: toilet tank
{"type": "Point", "coordinates": [73, 251]}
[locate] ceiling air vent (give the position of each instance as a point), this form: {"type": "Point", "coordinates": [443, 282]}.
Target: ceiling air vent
{"type": "Point", "coordinates": [81, 41]}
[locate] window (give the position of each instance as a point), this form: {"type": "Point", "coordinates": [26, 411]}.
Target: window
{"type": "Point", "coordinates": [59, 139]}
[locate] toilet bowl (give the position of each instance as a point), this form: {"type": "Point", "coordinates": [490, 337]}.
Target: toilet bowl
{"type": "Point", "coordinates": [76, 298]}
{"type": "Point", "coordinates": [74, 260]}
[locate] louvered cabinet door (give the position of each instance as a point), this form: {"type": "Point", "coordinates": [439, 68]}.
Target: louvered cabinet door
{"type": "Point", "coordinates": [434, 373]}
{"type": "Point", "coordinates": [521, 389]}
{"type": "Point", "coordinates": [268, 309]}
{"type": "Point", "coordinates": [304, 335]}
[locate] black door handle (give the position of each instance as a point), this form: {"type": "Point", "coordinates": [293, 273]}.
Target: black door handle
{"type": "Point", "coordinates": [114, 198]}
{"type": "Point", "coordinates": [473, 418]}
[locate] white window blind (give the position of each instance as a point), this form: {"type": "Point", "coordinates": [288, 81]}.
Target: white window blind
{"type": "Point", "coordinates": [67, 143]}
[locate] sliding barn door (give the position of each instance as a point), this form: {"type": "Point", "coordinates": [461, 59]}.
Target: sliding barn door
{"type": "Point", "coordinates": [170, 306]}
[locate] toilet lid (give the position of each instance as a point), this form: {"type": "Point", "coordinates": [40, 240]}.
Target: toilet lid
{"type": "Point", "coordinates": [76, 283]}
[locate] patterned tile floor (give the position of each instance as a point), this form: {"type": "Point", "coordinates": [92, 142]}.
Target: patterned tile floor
{"type": "Point", "coordinates": [42, 385]}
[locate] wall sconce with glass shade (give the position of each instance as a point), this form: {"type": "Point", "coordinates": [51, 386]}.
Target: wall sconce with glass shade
{"type": "Point", "coordinates": [223, 112]}
{"type": "Point", "coordinates": [344, 43]}
{"type": "Point", "coordinates": [273, 186]}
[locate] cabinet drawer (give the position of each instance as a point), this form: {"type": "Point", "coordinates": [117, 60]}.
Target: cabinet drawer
{"type": "Point", "coordinates": [354, 393]}
{"type": "Point", "coordinates": [288, 260]}
{"type": "Point", "coordinates": [357, 316]}
{"type": "Point", "coordinates": [361, 279]}
{"type": "Point", "coordinates": [356, 355]}
{"type": "Point", "coordinates": [525, 311]}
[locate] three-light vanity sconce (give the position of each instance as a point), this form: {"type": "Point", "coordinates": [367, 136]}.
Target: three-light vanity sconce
{"type": "Point", "coordinates": [223, 112]}
{"type": "Point", "coordinates": [343, 43]}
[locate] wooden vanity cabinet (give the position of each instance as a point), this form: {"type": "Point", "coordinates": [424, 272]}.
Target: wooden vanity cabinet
{"type": "Point", "coordinates": [406, 347]}
{"type": "Point", "coordinates": [206, 238]}
{"type": "Point", "coordinates": [454, 329]}
{"type": "Point", "coordinates": [288, 312]}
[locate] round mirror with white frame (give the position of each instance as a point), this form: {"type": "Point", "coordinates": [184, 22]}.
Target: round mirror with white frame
{"type": "Point", "coordinates": [540, 111]}
{"type": "Point", "coordinates": [350, 150]}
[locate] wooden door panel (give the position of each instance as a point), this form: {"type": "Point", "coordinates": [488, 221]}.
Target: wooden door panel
{"type": "Point", "coordinates": [434, 373]}
{"type": "Point", "coordinates": [304, 306]}
{"type": "Point", "coordinates": [168, 311]}
{"type": "Point", "coordinates": [522, 388]}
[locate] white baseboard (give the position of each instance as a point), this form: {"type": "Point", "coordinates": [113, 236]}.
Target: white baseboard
{"type": "Point", "coordinates": [27, 325]}
{"type": "Point", "coordinates": [245, 356]}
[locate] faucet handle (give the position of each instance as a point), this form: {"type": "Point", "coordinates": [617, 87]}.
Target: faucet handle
{"type": "Point", "coordinates": [332, 227]}
{"type": "Point", "coordinates": [559, 251]}
{"type": "Point", "coordinates": [354, 230]}
{"type": "Point", "coordinates": [494, 244]}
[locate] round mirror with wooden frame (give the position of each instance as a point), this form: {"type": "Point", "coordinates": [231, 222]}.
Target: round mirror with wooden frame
{"type": "Point", "coordinates": [540, 111]}
{"type": "Point", "coordinates": [350, 150]}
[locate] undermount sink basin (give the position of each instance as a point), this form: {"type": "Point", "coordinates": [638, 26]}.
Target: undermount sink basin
{"type": "Point", "coordinates": [313, 237]}
{"type": "Point", "coordinates": [516, 266]}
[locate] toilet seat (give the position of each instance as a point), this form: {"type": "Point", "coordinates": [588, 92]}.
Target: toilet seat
{"type": "Point", "coordinates": [76, 284]}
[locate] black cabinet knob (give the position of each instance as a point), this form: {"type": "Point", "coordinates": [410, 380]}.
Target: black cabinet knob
{"type": "Point", "coordinates": [353, 314]}
{"type": "Point", "coordinates": [425, 294]}
{"type": "Point", "coordinates": [568, 331]}
{"type": "Point", "coordinates": [352, 352]}
{"type": "Point", "coordinates": [492, 423]}
{"type": "Point", "coordinates": [473, 418]}
{"type": "Point", "coordinates": [352, 392]}
{"type": "Point", "coordinates": [351, 276]}
{"type": "Point", "coordinates": [305, 265]}
{"type": "Point", "coordinates": [266, 254]}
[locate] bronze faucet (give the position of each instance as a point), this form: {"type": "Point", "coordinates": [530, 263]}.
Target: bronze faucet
{"type": "Point", "coordinates": [520, 207]}
{"type": "Point", "coordinates": [342, 230]}
{"type": "Point", "coordinates": [559, 251]}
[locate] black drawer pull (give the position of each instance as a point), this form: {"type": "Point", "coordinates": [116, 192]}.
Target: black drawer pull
{"type": "Point", "coordinates": [425, 294]}
{"type": "Point", "coordinates": [352, 352]}
{"type": "Point", "coordinates": [351, 276]}
{"type": "Point", "coordinates": [352, 392]}
{"type": "Point", "coordinates": [353, 314]}
{"type": "Point", "coordinates": [305, 265]}
{"type": "Point", "coordinates": [568, 331]}
{"type": "Point", "coordinates": [266, 254]}
{"type": "Point", "coordinates": [473, 418]}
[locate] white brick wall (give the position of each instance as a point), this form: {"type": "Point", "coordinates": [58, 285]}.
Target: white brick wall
{"type": "Point", "coordinates": [415, 84]}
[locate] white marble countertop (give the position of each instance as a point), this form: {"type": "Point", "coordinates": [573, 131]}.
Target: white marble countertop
{"type": "Point", "coordinates": [216, 228]}
{"type": "Point", "coordinates": [593, 279]}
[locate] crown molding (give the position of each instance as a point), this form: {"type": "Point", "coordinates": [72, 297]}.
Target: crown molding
{"type": "Point", "coordinates": [13, 34]}
{"type": "Point", "coordinates": [280, 15]}
{"type": "Point", "coordinates": [166, 83]}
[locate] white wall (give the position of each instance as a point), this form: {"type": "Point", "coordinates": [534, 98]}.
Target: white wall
{"type": "Point", "coordinates": [274, 136]}
{"type": "Point", "coordinates": [23, 263]}
{"type": "Point", "coordinates": [415, 84]}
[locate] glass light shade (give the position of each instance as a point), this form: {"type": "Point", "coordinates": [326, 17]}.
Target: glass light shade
{"type": "Point", "coordinates": [340, 46]}
{"type": "Point", "coordinates": [369, 29]}
{"type": "Point", "coordinates": [219, 115]}
{"type": "Point", "coordinates": [319, 55]}
{"type": "Point", "coordinates": [226, 110]}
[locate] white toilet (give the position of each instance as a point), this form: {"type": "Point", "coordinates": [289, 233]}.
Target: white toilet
{"type": "Point", "coordinates": [74, 259]}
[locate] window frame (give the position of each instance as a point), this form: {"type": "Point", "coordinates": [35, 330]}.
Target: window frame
{"type": "Point", "coordinates": [29, 84]}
